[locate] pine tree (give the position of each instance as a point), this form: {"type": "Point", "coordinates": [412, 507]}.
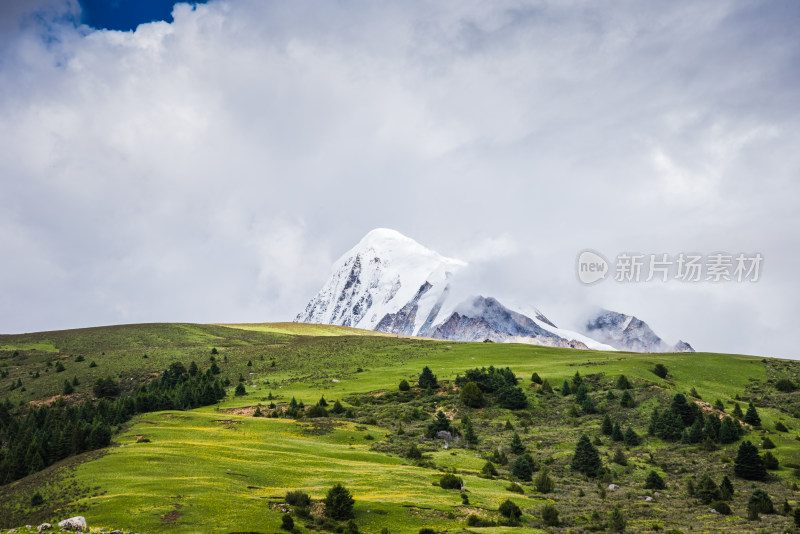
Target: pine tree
{"type": "Point", "coordinates": [681, 407]}
{"type": "Point", "coordinates": [626, 401]}
{"type": "Point", "coordinates": [728, 433]}
{"type": "Point", "coordinates": [616, 433]}
{"type": "Point", "coordinates": [737, 411]}
{"type": "Point", "coordinates": [580, 394]}
{"type": "Point", "coordinates": [522, 468]}
{"type": "Point", "coordinates": [586, 459]}
{"type": "Point", "coordinates": [469, 432]}
{"type": "Point", "coordinates": [654, 481]}
{"type": "Point", "coordinates": [339, 503]}
{"type": "Point", "coordinates": [726, 489]}
{"type": "Point", "coordinates": [588, 406]}
{"type": "Point", "coordinates": [760, 502]}
{"type": "Point", "coordinates": [752, 417]}
{"type": "Point", "coordinates": [694, 434]}
{"type": "Point", "coordinates": [565, 390]}
{"type": "Point", "coordinates": [68, 389]}
{"type": "Point", "coordinates": [543, 482]}
{"type": "Point", "coordinates": [576, 381]}
{"type": "Point", "coordinates": [631, 438]}
{"type": "Point", "coordinates": [748, 464]}
{"type": "Point", "coordinates": [546, 387]}
{"type": "Point", "coordinates": [707, 490]}
{"type": "Point", "coordinates": [404, 385]}
{"type": "Point", "coordinates": [536, 379]}
{"type": "Point", "coordinates": [517, 447]}
{"type": "Point", "coordinates": [608, 427]}
{"type": "Point", "coordinates": [427, 379]}
{"type": "Point", "coordinates": [623, 382]}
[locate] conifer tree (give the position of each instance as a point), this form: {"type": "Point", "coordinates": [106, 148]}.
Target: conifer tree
{"type": "Point", "coordinates": [586, 459]}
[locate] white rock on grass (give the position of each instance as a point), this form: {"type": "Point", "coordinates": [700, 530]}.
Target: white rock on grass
{"type": "Point", "coordinates": [73, 523]}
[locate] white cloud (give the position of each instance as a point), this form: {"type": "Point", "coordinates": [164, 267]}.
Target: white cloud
{"type": "Point", "coordinates": [209, 169]}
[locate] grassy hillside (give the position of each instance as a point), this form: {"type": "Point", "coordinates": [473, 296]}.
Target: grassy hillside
{"type": "Point", "coordinates": [220, 469]}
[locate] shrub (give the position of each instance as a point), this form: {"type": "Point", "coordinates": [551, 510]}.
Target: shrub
{"type": "Point", "coordinates": [546, 387]}
{"type": "Point", "coordinates": [510, 510]}
{"type": "Point", "coordinates": [298, 498]}
{"type": "Point", "coordinates": [68, 389]}
{"type": "Point", "coordinates": [616, 520]}
{"type": "Point", "coordinates": [721, 507]}
{"type": "Point", "coordinates": [660, 370]}
{"type": "Point", "coordinates": [475, 520]}
{"type": "Point", "coordinates": [512, 398]}
{"type": "Point", "coordinates": [37, 499]}
{"type": "Point", "coordinates": [93, 364]}
{"type": "Point", "coordinates": [413, 453]}
{"type": "Point", "coordinates": [489, 470]}
{"type": "Point", "coordinates": [471, 395]}
{"type": "Point", "coordinates": [623, 382]}
{"type": "Point", "coordinates": [780, 427]}
{"type": "Point", "coordinates": [104, 388]}
{"type": "Point", "coordinates": [785, 385]}
{"type": "Point", "coordinates": [654, 481]}
{"type": "Point", "coordinates": [80, 358]}
{"type": "Point", "coordinates": [619, 458]}
{"type": "Point", "coordinates": [549, 515]}
{"type": "Point", "coordinates": [315, 411]}
{"type": "Point", "coordinates": [404, 385]}
{"type": "Point", "coordinates": [351, 527]}
{"type": "Point", "coordinates": [760, 502]}
{"type": "Point", "coordinates": [59, 367]}
{"type": "Point", "coordinates": [707, 490]}
{"type": "Point", "coordinates": [427, 531]}
{"type": "Point", "coordinates": [767, 444]}
{"type": "Point", "coordinates": [287, 523]}
{"type": "Point", "coordinates": [338, 409]}
{"type": "Point", "coordinates": [240, 390]}
{"type": "Point", "coordinates": [536, 379]}
{"type": "Point", "coordinates": [450, 481]}
{"type": "Point", "coordinates": [543, 482]}
{"type": "Point", "coordinates": [515, 488]}
{"type": "Point", "coordinates": [726, 488]}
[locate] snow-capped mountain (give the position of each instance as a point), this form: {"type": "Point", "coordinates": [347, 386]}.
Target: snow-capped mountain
{"type": "Point", "coordinates": [387, 282]}
{"type": "Point", "coordinates": [626, 332]}
{"type": "Point", "coordinates": [390, 283]}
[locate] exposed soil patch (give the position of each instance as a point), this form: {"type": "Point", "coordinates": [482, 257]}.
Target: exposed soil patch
{"type": "Point", "coordinates": [172, 516]}
{"type": "Point", "coordinates": [247, 410]}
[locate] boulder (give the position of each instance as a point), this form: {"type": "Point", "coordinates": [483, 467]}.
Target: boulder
{"type": "Point", "coordinates": [613, 487]}
{"type": "Point", "coordinates": [44, 526]}
{"type": "Point", "coordinates": [648, 499]}
{"type": "Point", "coordinates": [73, 523]}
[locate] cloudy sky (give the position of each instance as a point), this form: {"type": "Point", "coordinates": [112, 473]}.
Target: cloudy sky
{"type": "Point", "coordinates": [211, 168]}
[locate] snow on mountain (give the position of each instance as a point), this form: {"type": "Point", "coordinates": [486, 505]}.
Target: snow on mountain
{"type": "Point", "coordinates": [385, 274]}
{"type": "Point", "coordinates": [390, 283]}
{"type": "Point", "coordinates": [626, 332]}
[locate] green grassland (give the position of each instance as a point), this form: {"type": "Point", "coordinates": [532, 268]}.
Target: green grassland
{"type": "Point", "coordinates": [219, 469]}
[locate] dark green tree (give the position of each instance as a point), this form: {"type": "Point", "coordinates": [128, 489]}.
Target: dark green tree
{"type": "Point", "coordinates": [68, 389]}
{"type": "Point", "coordinates": [680, 406]}
{"type": "Point", "coordinates": [760, 502]}
{"type": "Point", "coordinates": [616, 433]}
{"type": "Point", "coordinates": [654, 481]}
{"type": "Point", "coordinates": [536, 379]}
{"type": "Point", "coordinates": [588, 406]}
{"type": "Point", "coordinates": [287, 523]}
{"type": "Point", "coordinates": [770, 462]}
{"type": "Point", "coordinates": [577, 380]}
{"type": "Point", "coordinates": [414, 453]}
{"type": "Point", "coordinates": [489, 470]}
{"type": "Point", "coordinates": [427, 379]}
{"type": "Point", "coordinates": [623, 382]}
{"type": "Point", "coordinates": [546, 388]}
{"type": "Point", "coordinates": [586, 459]}
{"type": "Point", "coordinates": [543, 482]}
{"type": "Point", "coordinates": [580, 394]}
{"type": "Point", "coordinates": [660, 370]}
{"type": "Point", "coordinates": [607, 427]}
{"type": "Point", "coordinates": [240, 390]}
{"type": "Point", "coordinates": [339, 503]}
{"type": "Point", "coordinates": [616, 520]}
{"type": "Point", "coordinates": [565, 390]}
{"type": "Point", "coordinates": [726, 489]}
{"type": "Point", "coordinates": [517, 447]}
{"type": "Point", "coordinates": [522, 468]}
{"type": "Point", "coordinates": [748, 464]}
{"type": "Point", "coordinates": [471, 395]}
{"type": "Point", "coordinates": [510, 510]}
{"type": "Point", "coordinates": [728, 431]}
{"type": "Point", "coordinates": [626, 401]}
{"type": "Point", "coordinates": [751, 417]}
{"type": "Point", "coordinates": [549, 515]}
{"type": "Point", "coordinates": [512, 398]}
{"type": "Point", "coordinates": [631, 438]}
{"type": "Point", "coordinates": [404, 385]}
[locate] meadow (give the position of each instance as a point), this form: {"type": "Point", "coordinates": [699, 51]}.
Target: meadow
{"type": "Point", "coordinates": [220, 469]}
